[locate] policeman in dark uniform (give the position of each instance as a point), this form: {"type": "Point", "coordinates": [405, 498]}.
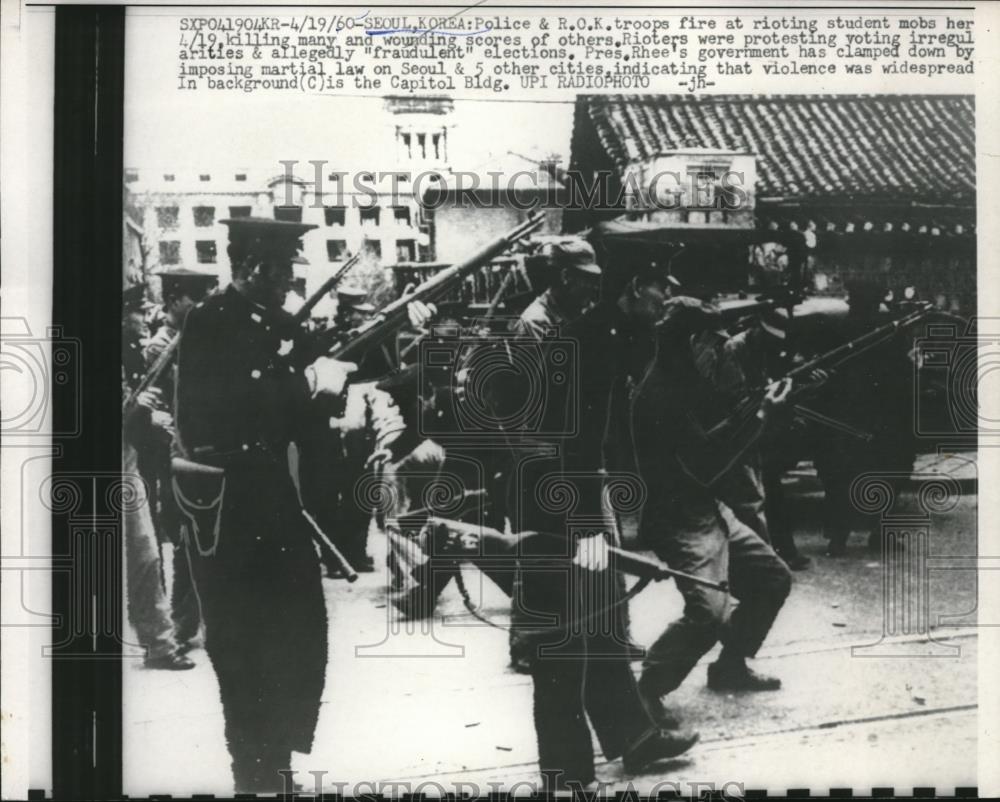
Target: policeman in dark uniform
{"type": "Point", "coordinates": [242, 393]}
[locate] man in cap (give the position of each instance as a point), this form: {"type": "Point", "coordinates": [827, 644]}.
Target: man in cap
{"type": "Point", "coordinates": [684, 461]}
{"type": "Point", "coordinates": [135, 332]}
{"type": "Point", "coordinates": [242, 395]}
{"type": "Point", "coordinates": [576, 279]}
{"type": "Point", "coordinates": [146, 426]}
{"type": "Point", "coordinates": [352, 309]}
{"type": "Point", "coordinates": [181, 289]}
{"type": "Point", "coordinates": [580, 665]}
{"type": "Point", "coordinates": [573, 280]}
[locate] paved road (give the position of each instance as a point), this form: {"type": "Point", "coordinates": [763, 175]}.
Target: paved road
{"type": "Point", "coordinates": [439, 702]}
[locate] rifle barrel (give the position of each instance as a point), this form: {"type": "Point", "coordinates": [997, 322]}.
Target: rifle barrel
{"type": "Point", "coordinates": [329, 284]}
{"type": "Point", "coordinates": [393, 316]}
{"type": "Point", "coordinates": [154, 373]}
{"type": "Point", "coordinates": [859, 344]}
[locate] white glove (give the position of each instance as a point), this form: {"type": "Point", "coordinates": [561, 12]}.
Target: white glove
{"type": "Point", "coordinates": [774, 398]}
{"type": "Point", "coordinates": [592, 553]}
{"type": "Point", "coordinates": [328, 375]}
{"type": "Point", "coordinates": [420, 314]}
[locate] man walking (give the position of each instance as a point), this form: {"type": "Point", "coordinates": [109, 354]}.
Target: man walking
{"type": "Point", "coordinates": [579, 658]}
{"type": "Point", "coordinates": [684, 461]}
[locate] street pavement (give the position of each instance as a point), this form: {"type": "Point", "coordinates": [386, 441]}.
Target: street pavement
{"type": "Point", "coordinates": [866, 702]}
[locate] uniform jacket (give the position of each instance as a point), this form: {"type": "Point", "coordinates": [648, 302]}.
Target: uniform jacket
{"type": "Point", "coordinates": [240, 395]}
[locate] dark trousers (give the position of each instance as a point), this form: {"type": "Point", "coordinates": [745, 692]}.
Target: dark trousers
{"type": "Point", "coordinates": [839, 462]}
{"type": "Point", "coordinates": [573, 634]}
{"type": "Point", "coordinates": [715, 546]}
{"type": "Point", "coordinates": [778, 519]}
{"type": "Point", "coordinates": [261, 595]}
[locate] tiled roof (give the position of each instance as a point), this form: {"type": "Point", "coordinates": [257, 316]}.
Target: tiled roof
{"type": "Point", "coordinates": [829, 148]}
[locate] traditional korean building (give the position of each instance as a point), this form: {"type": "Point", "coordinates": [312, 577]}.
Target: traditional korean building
{"type": "Point", "coordinates": [881, 185]}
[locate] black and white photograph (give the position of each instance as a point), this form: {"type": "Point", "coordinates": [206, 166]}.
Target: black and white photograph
{"type": "Point", "coordinates": [526, 401]}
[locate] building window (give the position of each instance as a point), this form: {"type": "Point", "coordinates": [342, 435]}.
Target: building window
{"type": "Point", "coordinates": [335, 215]}
{"type": "Point", "coordinates": [373, 248]}
{"type": "Point", "coordinates": [401, 214]}
{"type": "Point", "coordinates": [204, 216]}
{"type": "Point", "coordinates": [370, 215]}
{"type": "Point", "coordinates": [239, 211]}
{"type": "Point", "coordinates": [131, 176]}
{"type": "Point", "coordinates": [336, 250]}
{"type": "Point", "coordinates": [168, 176]}
{"type": "Point", "coordinates": [422, 145]}
{"type": "Point", "coordinates": [705, 185]}
{"type": "Point", "coordinates": [204, 177]}
{"type": "Point", "coordinates": [406, 250]}
{"type": "Point", "coordinates": [170, 252]}
{"type": "Point", "coordinates": [437, 143]}
{"type": "Point", "coordinates": [290, 214]}
{"type": "Point", "coordinates": [166, 217]}
{"type": "Point", "coordinates": [206, 251]}
{"type": "Point", "coordinates": [407, 142]}
{"type": "Point", "coordinates": [241, 176]}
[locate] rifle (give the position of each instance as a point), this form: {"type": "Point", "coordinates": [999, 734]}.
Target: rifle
{"type": "Point", "coordinates": [393, 317]}
{"type": "Point", "coordinates": [303, 313]}
{"type": "Point", "coordinates": [741, 428]}
{"type": "Point", "coordinates": [152, 375]}
{"type": "Point", "coordinates": [829, 360]}
{"type": "Point", "coordinates": [458, 538]}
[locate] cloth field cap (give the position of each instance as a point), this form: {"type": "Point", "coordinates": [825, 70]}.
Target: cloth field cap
{"type": "Point", "coordinates": [352, 298]}
{"type": "Point", "coordinates": [577, 255]}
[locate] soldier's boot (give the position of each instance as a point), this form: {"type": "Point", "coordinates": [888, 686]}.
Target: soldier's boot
{"type": "Point", "coordinates": [733, 674]}
{"type": "Point", "coordinates": [657, 744]}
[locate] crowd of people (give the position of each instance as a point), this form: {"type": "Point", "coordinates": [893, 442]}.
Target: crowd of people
{"type": "Point", "coordinates": [234, 420]}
